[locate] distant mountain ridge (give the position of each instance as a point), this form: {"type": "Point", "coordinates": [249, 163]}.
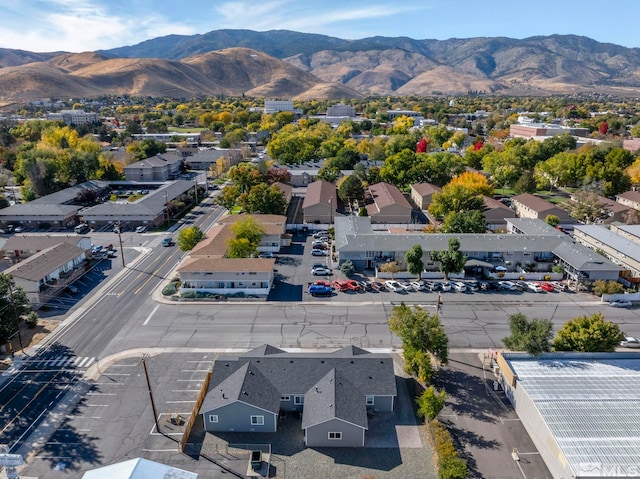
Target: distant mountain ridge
{"type": "Point", "coordinates": [286, 64]}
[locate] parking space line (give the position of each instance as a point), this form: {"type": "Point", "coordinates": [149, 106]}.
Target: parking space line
{"type": "Point", "coordinates": [184, 390]}
{"type": "Point", "coordinates": [97, 405]}
{"type": "Point", "coordinates": [178, 402]}
{"type": "Point", "coordinates": [101, 394]}
{"type": "Point", "coordinates": [118, 374]}
{"type": "Point", "coordinates": [195, 370]}
{"type": "Point", "coordinates": [188, 380]}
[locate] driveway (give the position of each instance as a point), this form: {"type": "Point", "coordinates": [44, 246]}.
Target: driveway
{"type": "Point", "coordinates": [483, 423]}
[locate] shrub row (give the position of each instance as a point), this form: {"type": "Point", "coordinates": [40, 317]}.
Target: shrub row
{"type": "Point", "coordinates": [450, 465]}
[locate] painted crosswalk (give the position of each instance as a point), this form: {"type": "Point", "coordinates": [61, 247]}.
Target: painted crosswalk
{"type": "Point", "coordinates": [69, 362]}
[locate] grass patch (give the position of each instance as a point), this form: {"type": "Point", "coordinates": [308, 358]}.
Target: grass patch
{"type": "Point", "coordinates": [186, 130]}
{"type": "Point", "coordinates": [236, 210]}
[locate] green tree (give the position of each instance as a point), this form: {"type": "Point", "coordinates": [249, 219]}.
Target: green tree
{"type": "Point", "coordinates": [228, 197]}
{"type": "Point", "coordinates": [13, 304]}
{"type": "Point", "coordinates": [552, 220]}
{"type": "Point", "coordinates": [431, 402]}
{"type": "Point", "coordinates": [601, 287]}
{"type": "Point", "coordinates": [464, 222]}
{"type": "Point", "coordinates": [245, 176]}
{"type": "Point", "coordinates": [363, 211]}
{"type": "Point", "coordinates": [525, 184]}
{"type": "Point", "coordinates": [532, 336]}
{"type": "Point", "coordinates": [264, 199]}
{"type": "Point", "coordinates": [455, 198]}
{"type": "Point", "coordinates": [420, 331]}
{"type": "Point", "coordinates": [413, 259]}
{"type": "Point", "coordinates": [145, 149]}
{"type": "Point", "coordinates": [189, 237]}
{"type": "Point", "coordinates": [248, 228]}
{"type": "Point", "coordinates": [451, 260]}
{"type": "Point", "coordinates": [351, 189]}
{"type": "Point", "coordinates": [240, 248]}
{"type": "Point", "coordinates": [588, 334]}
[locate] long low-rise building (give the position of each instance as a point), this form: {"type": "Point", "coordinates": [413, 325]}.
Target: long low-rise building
{"type": "Point", "coordinates": [355, 240]}
{"type": "Point", "coordinates": [619, 249]}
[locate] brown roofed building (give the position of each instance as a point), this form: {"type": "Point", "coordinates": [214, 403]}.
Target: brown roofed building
{"type": "Point", "coordinates": [320, 202]}
{"type": "Point", "coordinates": [630, 199]}
{"type": "Point", "coordinates": [495, 213]}
{"type": "Point", "coordinates": [531, 206]}
{"type": "Point", "coordinates": [389, 204]}
{"type": "Point", "coordinates": [19, 247]}
{"type": "Point", "coordinates": [46, 273]}
{"type": "Point", "coordinates": [422, 194]}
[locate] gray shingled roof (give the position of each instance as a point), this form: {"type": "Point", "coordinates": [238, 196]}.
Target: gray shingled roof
{"type": "Point", "coordinates": [297, 373]}
{"type": "Point", "coordinates": [71, 193]}
{"type": "Point", "coordinates": [332, 398]}
{"type": "Point", "coordinates": [246, 384]}
{"type": "Point", "coordinates": [39, 209]}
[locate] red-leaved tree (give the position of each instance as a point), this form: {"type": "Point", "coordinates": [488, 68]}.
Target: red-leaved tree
{"type": "Point", "coordinates": [604, 128]}
{"type": "Point", "coordinates": [421, 146]}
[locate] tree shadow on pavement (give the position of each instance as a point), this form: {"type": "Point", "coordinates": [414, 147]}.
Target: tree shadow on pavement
{"type": "Point", "coordinates": [467, 394]}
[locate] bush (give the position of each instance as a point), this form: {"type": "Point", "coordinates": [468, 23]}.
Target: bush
{"type": "Point", "coordinates": [453, 468]}
{"type": "Point", "coordinates": [450, 466]}
{"type": "Point", "coordinates": [171, 288]}
{"type": "Point", "coordinates": [189, 294]}
{"type": "Point", "coordinates": [547, 277]}
{"type": "Point", "coordinates": [348, 268]}
{"type": "Point", "coordinates": [31, 319]}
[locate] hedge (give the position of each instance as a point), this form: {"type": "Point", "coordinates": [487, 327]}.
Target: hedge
{"type": "Point", "coordinates": [450, 466]}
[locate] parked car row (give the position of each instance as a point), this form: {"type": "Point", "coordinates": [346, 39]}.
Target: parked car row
{"type": "Point", "coordinates": [399, 286]}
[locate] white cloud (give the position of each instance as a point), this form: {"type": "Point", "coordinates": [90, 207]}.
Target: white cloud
{"type": "Point", "coordinates": [290, 15]}
{"type": "Point", "coordinates": [82, 25]}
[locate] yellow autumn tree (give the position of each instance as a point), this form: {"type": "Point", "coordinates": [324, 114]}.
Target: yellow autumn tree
{"type": "Point", "coordinates": [634, 171]}
{"type": "Point", "coordinates": [476, 183]}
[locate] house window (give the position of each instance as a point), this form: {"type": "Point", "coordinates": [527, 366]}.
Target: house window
{"type": "Point", "coordinates": [298, 400]}
{"type": "Point", "coordinates": [285, 398]}
{"type": "Point", "coordinates": [335, 436]}
{"type": "Point", "coordinates": [257, 420]}
{"type": "Point", "coordinates": [213, 418]}
{"type": "Point", "coordinates": [370, 400]}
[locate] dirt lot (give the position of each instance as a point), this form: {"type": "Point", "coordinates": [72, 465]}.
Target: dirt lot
{"type": "Point", "coordinates": [30, 337]}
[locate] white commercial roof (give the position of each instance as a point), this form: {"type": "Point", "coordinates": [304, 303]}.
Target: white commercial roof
{"type": "Point", "coordinates": [590, 403]}
{"type": "Point", "coordinates": [139, 469]}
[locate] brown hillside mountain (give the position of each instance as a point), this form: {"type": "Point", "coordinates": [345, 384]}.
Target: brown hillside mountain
{"type": "Point", "coordinates": [316, 66]}
{"type": "Point", "coordinates": [233, 71]}
{"type": "Point", "coordinates": [74, 61]}
{"type": "Point", "coordinates": [14, 58]}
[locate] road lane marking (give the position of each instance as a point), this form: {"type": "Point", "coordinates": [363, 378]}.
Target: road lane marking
{"type": "Point", "coordinates": [146, 321]}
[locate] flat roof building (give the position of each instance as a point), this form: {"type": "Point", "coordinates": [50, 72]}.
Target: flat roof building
{"type": "Point", "coordinates": [581, 410]}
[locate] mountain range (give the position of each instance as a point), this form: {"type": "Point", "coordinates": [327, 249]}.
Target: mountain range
{"type": "Point", "coordinates": [287, 64]}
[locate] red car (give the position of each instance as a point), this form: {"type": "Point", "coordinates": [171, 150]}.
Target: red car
{"type": "Point", "coordinates": [548, 287]}
{"type": "Point", "coordinates": [340, 285]}
{"type": "Point", "coordinates": [353, 285]}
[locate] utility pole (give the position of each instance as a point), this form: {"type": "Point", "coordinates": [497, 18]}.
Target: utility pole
{"type": "Point", "coordinates": [196, 188]}
{"type": "Point", "coordinates": [15, 313]}
{"type": "Point", "coordinates": [166, 203]}
{"type": "Point", "coordinates": [120, 240]}
{"type": "Point", "coordinates": [153, 404]}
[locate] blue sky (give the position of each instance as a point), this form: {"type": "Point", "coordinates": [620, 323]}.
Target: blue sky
{"type": "Point", "coordinates": [82, 25]}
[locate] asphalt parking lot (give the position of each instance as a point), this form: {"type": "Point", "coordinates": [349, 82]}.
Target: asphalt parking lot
{"type": "Point", "coordinates": [293, 275]}
{"type": "Point", "coordinates": [114, 422]}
